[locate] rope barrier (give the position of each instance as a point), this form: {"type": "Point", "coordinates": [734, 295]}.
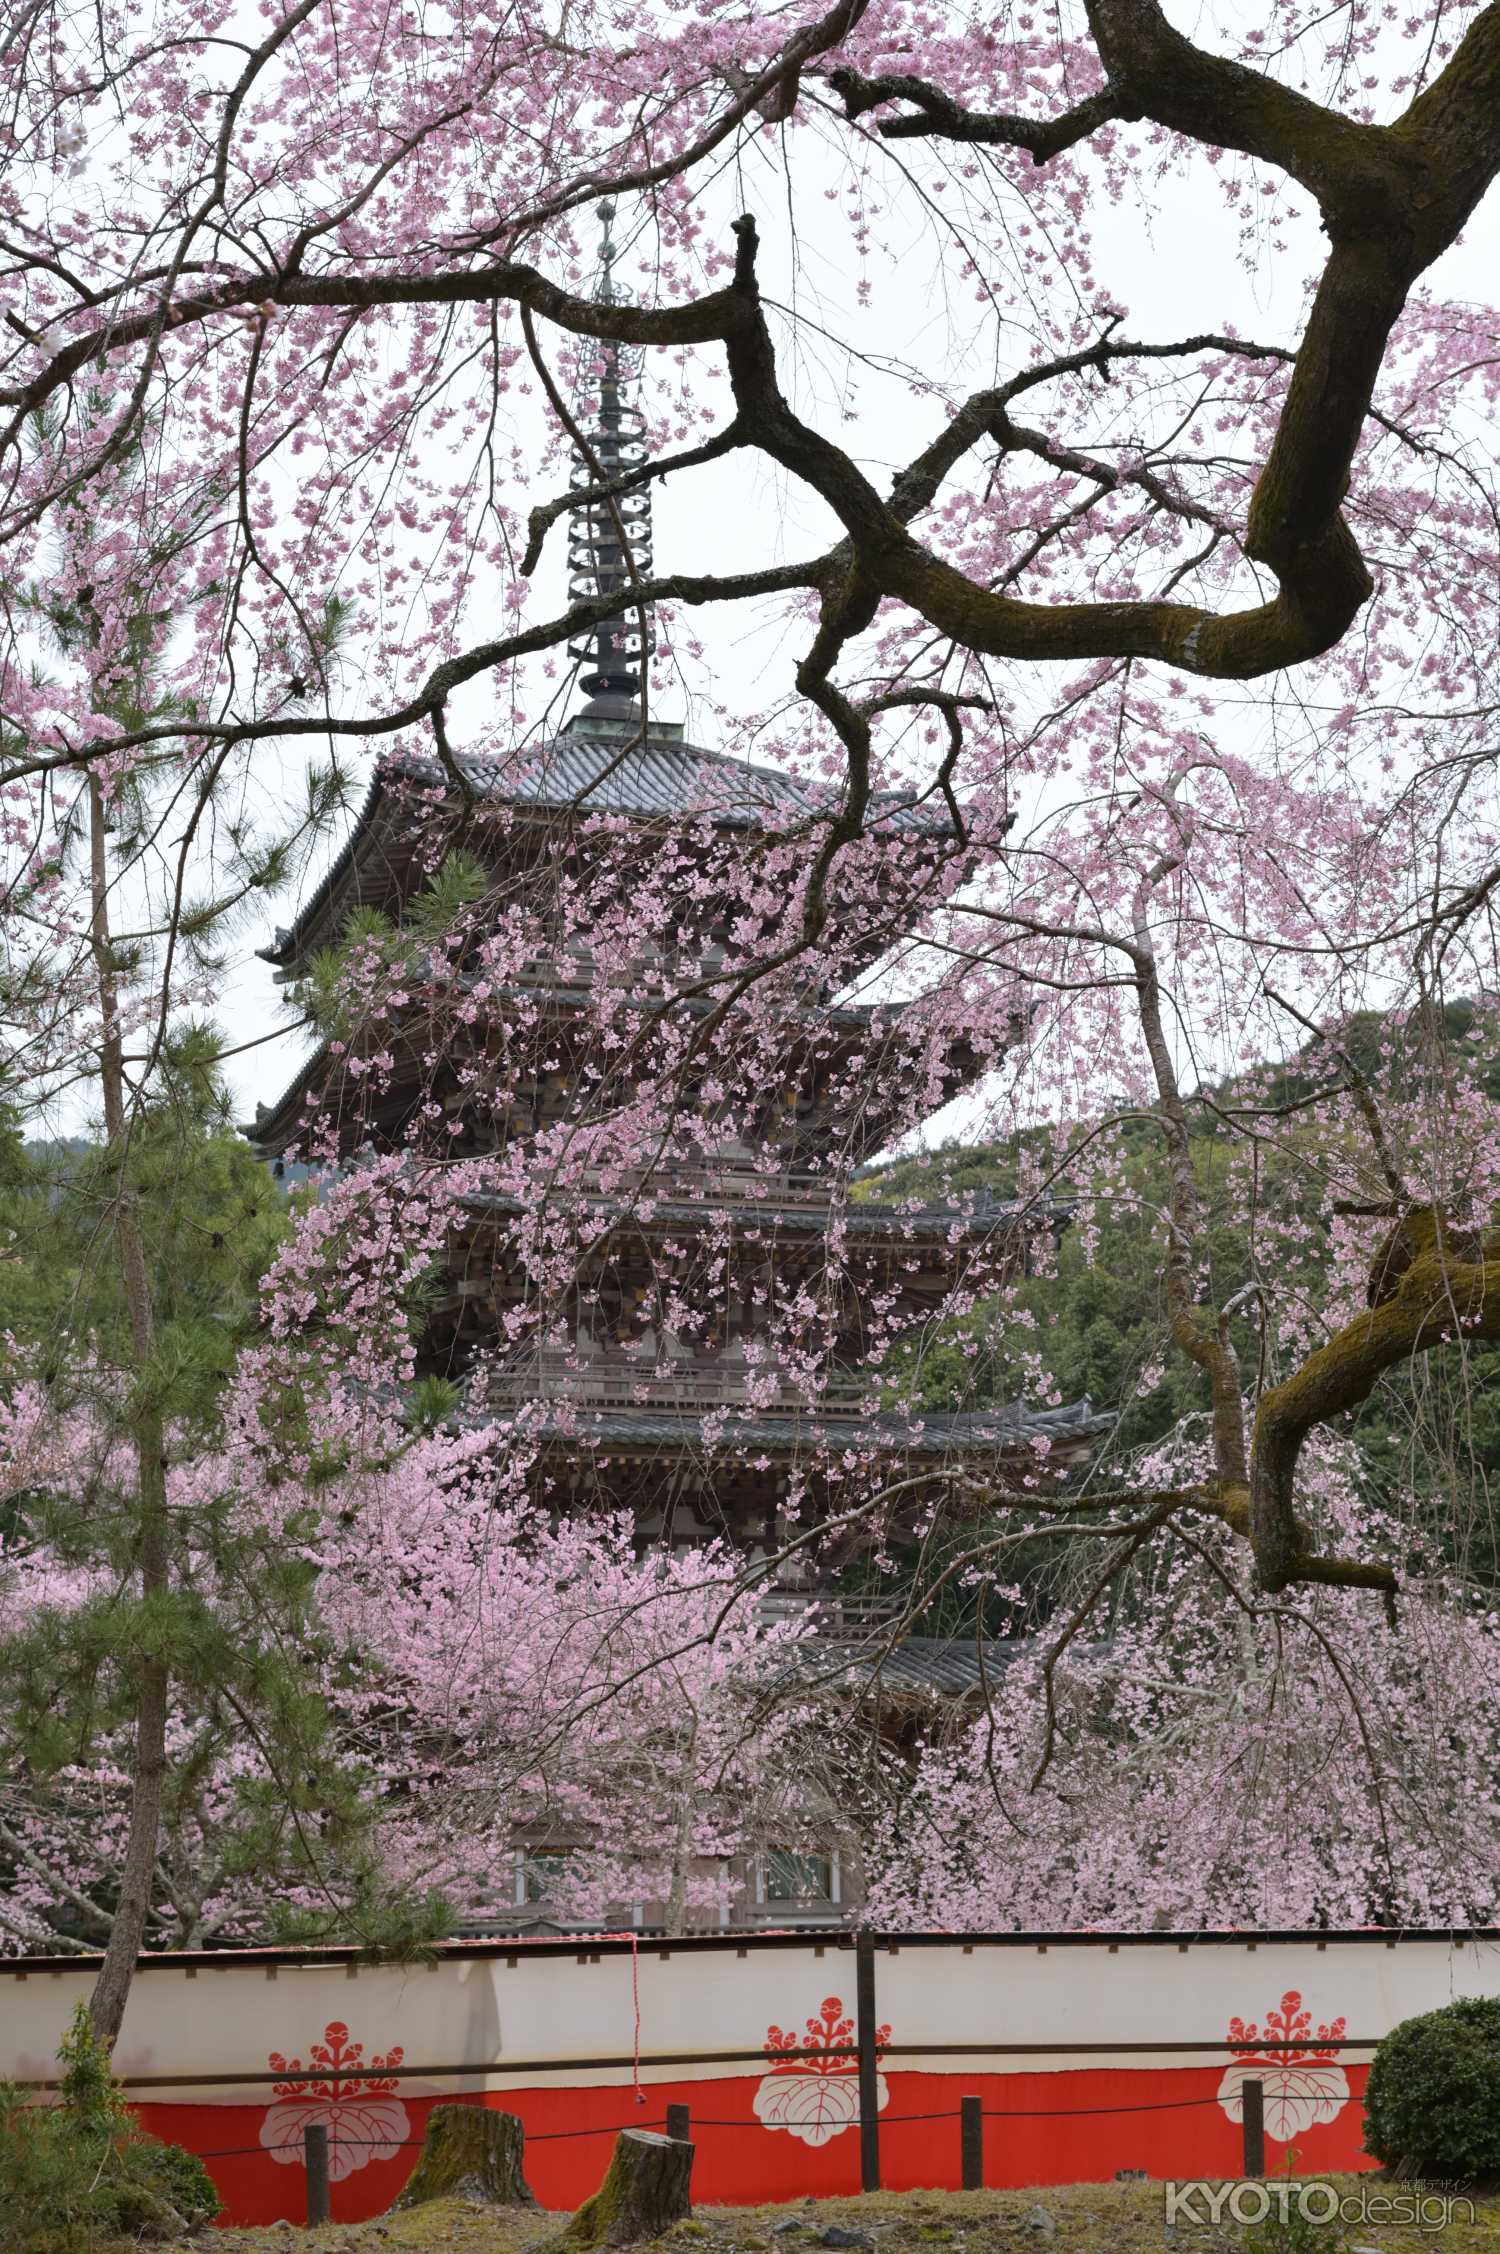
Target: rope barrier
{"type": "Point", "coordinates": [1087, 2112]}
{"type": "Point", "coordinates": [414, 2144]}
{"type": "Point", "coordinates": [706, 2121]}
{"type": "Point", "coordinates": [610, 2129]}
{"type": "Point", "coordinates": [1031, 2113]}
{"type": "Point", "coordinates": [635, 1997]}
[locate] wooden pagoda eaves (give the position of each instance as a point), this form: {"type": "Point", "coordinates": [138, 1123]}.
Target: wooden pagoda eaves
{"type": "Point", "coordinates": [596, 766]}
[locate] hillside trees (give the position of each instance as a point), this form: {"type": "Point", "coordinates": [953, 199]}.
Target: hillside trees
{"type": "Point", "coordinates": [1096, 1322]}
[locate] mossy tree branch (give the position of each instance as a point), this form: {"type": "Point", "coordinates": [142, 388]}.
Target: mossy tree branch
{"type": "Point", "coordinates": [1441, 1299]}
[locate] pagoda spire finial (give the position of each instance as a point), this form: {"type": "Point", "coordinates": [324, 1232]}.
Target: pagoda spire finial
{"type": "Point", "coordinates": [609, 535]}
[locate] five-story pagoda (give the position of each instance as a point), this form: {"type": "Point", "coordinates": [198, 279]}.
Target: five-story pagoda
{"type": "Point", "coordinates": [677, 1301]}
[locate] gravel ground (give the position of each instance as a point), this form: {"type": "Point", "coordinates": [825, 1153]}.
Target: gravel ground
{"type": "Point", "coordinates": [1069, 2219]}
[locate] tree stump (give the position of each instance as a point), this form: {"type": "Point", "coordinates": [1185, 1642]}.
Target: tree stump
{"type": "Point", "coordinates": [646, 2190]}
{"type": "Point", "coordinates": [468, 2152]}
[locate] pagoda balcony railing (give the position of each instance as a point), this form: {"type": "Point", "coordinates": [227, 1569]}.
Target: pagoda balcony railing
{"type": "Point", "coordinates": [615, 1382]}
{"type": "Point", "coordinates": [739, 1180]}
{"type": "Point", "coordinates": [743, 1183]}
{"type": "Point", "coordinates": [718, 1182]}
{"type": "Point", "coordinates": [827, 1609]}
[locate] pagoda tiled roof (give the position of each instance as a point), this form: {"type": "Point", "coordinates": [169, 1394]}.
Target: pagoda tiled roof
{"type": "Point", "coordinates": [976, 1215]}
{"type": "Point", "coordinates": [590, 768]}
{"type": "Point", "coordinates": [911, 1666]}
{"type": "Point", "coordinates": [648, 1431]}
{"type": "Point", "coordinates": [660, 775]}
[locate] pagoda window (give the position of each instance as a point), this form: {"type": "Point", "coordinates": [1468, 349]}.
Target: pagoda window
{"type": "Point", "coordinates": [538, 1871]}
{"type": "Point", "coordinates": [798, 1874]}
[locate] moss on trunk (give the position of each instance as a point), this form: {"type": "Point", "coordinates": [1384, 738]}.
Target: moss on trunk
{"type": "Point", "coordinates": [647, 2189]}
{"type": "Point", "coordinates": [469, 2152]}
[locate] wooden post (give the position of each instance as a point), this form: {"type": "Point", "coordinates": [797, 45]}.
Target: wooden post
{"type": "Point", "coordinates": [315, 2152]}
{"type": "Point", "coordinates": [678, 2123]}
{"type": "Point", "coordinates": [1253, 2120]}
{"type": "Point", "coordinates": [864, 2034]}
{"type": "Point", "coordinates": [971, 2142]}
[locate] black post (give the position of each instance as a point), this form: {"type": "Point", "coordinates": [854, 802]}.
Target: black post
{"type": "Point", "coordinates": [1253, 2116]}
{"type": "Point", "coordinates": [869, 2096]}
{"type": "Point", "coordinates": [315, 2151]}
{"type": "Point", "coordinates": [678, 2124]}
{"type": "Point", "coordinates": [971, 2141]}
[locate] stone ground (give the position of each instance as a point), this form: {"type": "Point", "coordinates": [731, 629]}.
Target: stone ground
{"type": "Point", "coordinates": [1068, 2219]}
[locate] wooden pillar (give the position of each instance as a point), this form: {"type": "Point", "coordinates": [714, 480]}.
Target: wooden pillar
{"type": "Point", "coordinates": [1253, 2120]}
{"type": "Point", "coordinates": [865, 2023]}
{"type": "Point", "coordinates": [971, 2142]}
{"type": "Point", "coordinates": [315, 2151]}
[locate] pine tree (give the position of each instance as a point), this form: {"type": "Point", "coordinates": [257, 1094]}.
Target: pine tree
{"type": "Point", "coordinates": [169, 1624]}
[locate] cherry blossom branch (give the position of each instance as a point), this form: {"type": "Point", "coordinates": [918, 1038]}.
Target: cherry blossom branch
{"type": "Point", "coordinates": [1364, 1096]}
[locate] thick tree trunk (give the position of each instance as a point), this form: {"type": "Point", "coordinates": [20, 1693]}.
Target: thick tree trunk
{"type": "Point", "coordinates": [647, 2189]}
{"type": "Point", "coordinates": [127, 1930]}
{"type": "Point", "coordinates": [468, 2152]}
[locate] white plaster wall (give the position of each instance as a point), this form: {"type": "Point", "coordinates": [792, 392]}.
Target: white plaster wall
{"type": "Point", "coordinates": [512, 2017]}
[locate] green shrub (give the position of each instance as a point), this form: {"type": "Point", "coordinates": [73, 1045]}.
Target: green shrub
{"type": "Point", "coordinates": [182, 2180]}
{"type": "Point", "coordinates": [1432, 2107]}
{"type": "Point", "coordinates": [82, 2171]}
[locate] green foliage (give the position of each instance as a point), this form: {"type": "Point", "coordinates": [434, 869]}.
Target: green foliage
{"type": "Point", "coordinates": [236, 1620]}
{"type": "Point", "coordinates": [430, 1403]}
{"type": "Point", "coordinates": [210, 1217]}
{"type": "Point", "coordinates": [1098, 1320]}
{"type": "Point", "coordinates": [1398, 1053]}
{"type": "Point", "coordinates": [1096, 1324]}
{"type": "Point", "coordinates": [1432, 2103]}
{"type": "Point", "coordinates": [459, 884]}
{"type": "Point", "coordinates": [430, 930]}
{"type": "Point", "coordinates": [1293, 2233]}
{"type": "Point", "coordinates": [82, 2172]}
{"type": "Point", "coordinates": [1289, 2230]}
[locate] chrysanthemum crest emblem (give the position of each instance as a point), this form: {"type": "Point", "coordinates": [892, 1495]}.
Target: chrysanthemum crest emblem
{"type": "Point", "coordinates": [816, 2096]}
{"type": "Point", "coordinates": [1296, 2067]}
{"type": "Point", "coordinates": [354, 2100]}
